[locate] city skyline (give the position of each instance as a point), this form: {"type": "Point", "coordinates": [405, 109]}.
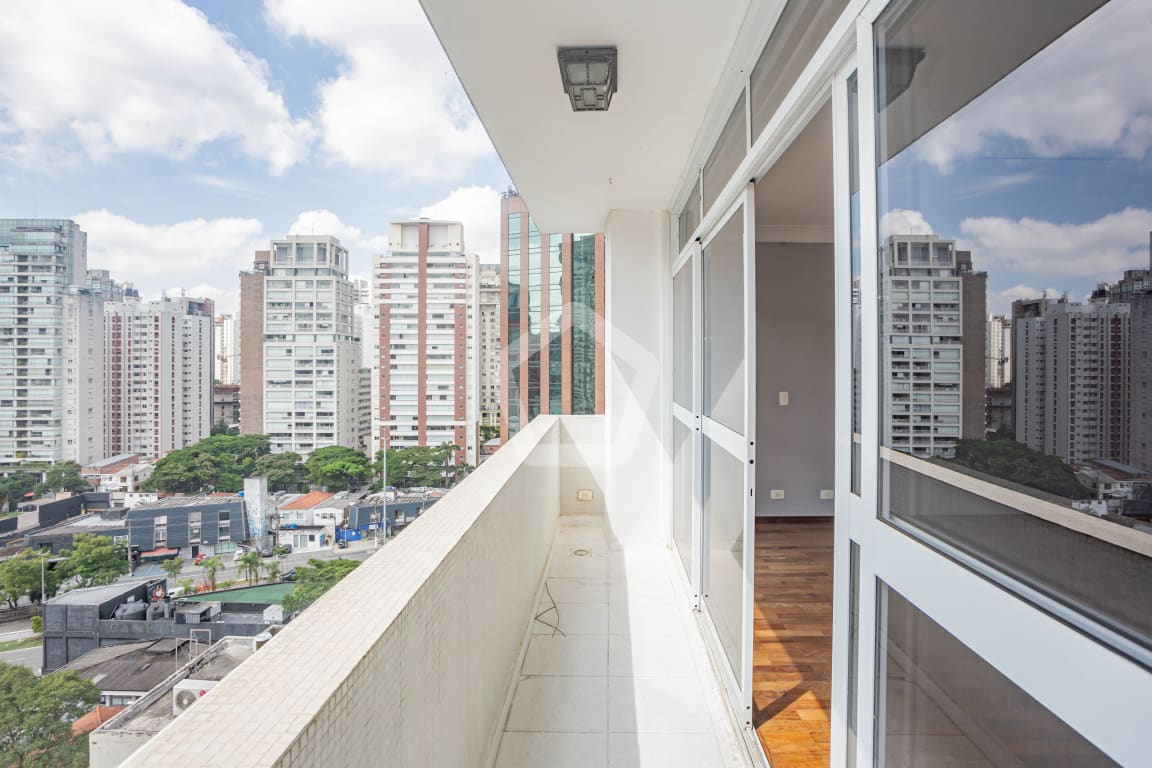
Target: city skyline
{"type": "Point", "coordinates": [172, 200]}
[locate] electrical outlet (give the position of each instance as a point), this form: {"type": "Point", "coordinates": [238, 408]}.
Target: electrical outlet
{"type": "Point", "coordinates": [776, 494]}
{"type": "Point", "coordinates": [583, 495]}
{"type": "Point", "coordinates": [784, 398]}
{"type": "Point", "coordinates": [827, 495]}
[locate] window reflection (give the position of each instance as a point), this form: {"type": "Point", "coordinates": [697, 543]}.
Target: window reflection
{"type": "Point", "coordinates": [1015, 202]}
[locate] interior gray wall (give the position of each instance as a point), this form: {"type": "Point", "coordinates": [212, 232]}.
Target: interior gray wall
{"type": "Point", "coordinates": [795, 351]}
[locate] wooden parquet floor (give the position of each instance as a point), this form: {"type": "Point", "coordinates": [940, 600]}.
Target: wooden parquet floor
{"type": "Point", "coordinates": [792, 658]}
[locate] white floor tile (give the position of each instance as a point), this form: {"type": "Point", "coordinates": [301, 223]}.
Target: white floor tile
{"type": "Point", "coordinates": [646, 655]}
{"type": "Point", "coordinates": [575, 655]}
{"type": "Point", "coordinates": [555, 750]}
{"type": "Point", "coordinates": [644, 618]}
{"type": "Point", "coordinates": [560, 704]}
{"type": "Point", "coordinates": [577, 590]}
{"type": "Point", "coordinates": [663, 750]}
{"type": "Point", "coordinates": [571, 618]}
{"type": "Point", "coordinates": [656, 705]}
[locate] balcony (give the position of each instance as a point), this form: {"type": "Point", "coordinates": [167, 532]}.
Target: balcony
{"type": "Point", "coordinates": [508, 625]}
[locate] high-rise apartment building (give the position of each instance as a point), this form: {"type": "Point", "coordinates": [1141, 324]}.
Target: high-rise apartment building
{"type": "Point", "coordinates": [100, 281]}
{"type": "Point", "coordinates": [252, 345]}
{"type": "Point", "coordinates": [1071, 377]}
{"type": "Point", "coordinates": [999, 342]}
{"type": "Point", "coordinates": [935, 325]}
{"type": "Point", "coordinates": [159, 374]}
{"type": "Point", "coordinates": [226, 343]}
{"type": "Point", "coordinates": [488, 310]}
{"type": "Point", "coordinates": [84, 402]}
{"type": "Point", "coordinates": [425, 389]}
{"type": "Point", "coordinates": [40, 261]}
{"type": "Point", "coordinates": [1140, 404]}
{"type": "Point", "coordinates": [311, 354]}
{"type": "Point", "coordinates": [552, 321]}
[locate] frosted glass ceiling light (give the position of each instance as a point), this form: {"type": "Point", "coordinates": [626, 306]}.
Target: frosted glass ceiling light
{"type": "Point", "coordinates": [589, 76]}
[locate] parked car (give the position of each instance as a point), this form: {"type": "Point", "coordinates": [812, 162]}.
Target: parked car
{"type": "Point", "coordinates": [285, 549]}
{"type": "Point", "coordinates": [199, 558]}
{"type": "Point", "coordinates": [265, 551]}
{"type": "Point", "coordinates": [290, 575]}
{"type": "Point", "coordinates": [342, 544]}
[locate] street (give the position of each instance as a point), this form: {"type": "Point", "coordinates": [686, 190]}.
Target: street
{"type": "Point", "coordinates": [25, 657]}
{"type": "Point", "coordinates": [357, 550]}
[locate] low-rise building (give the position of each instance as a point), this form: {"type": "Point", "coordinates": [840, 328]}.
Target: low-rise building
{"type": "Point", "coordinates": [308, 521]}
{"type": "Point", "coordinates": [200, 524]}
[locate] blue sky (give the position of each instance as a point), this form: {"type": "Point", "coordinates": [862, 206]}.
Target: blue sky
{"type": "Point", "coordinates": [184, 135]}
{"type": "Point", "coordinates": [1047, 176]}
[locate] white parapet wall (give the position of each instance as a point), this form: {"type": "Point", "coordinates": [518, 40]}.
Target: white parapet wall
{"type": "Point", "coordinates": [410, 659]}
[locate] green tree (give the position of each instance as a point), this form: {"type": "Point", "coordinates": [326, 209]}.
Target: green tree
{"type": "Point", "coordinates": [20, 577]}
{"type": "Point", "coordinates": [63, 753]}
{"type": "Point", "coordinates": [37, 624]}
{"type": "Point", "coordinates": [63, 476]}
{"type": "Point", "coordinates": [94, 561]}
{"type": "Point", "coordinates": [187, 586]}
{"type": "Point", "coordinates": [487, 432]}
{"type": "Point", "coordinates": [220, 462]}
{"type": "Point", "coordinates": [314, 579]}
{"type": "Point", "coordinates": [1017, 463]}
{"type": "Point", "coordinates": [284, 471]}
{"type": "Point", "coordinates": [250, 564]}
{"type": "Point", "coordinates": [273, 570]}
{"type": "Point", "coordinates": [430, 466]}
{"type": "Point", "coordinates": [212, 566]}
{"type": "Point", "coordinates": [37, 713]}
{"type": "Point", "coordinates": [16, 486]}
{"type": "Point", "coordinates": [172, 566]}
{"type": "Point", "coordinates": [337, 467]}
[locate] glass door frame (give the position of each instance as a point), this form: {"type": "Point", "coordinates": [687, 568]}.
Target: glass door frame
{"type": "Point", "coordinates": [692, 261]}
{"type": "Point", "coordinates": [737, 677]}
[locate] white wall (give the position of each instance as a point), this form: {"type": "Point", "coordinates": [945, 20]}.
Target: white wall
{"type": "Point", "coordinates": [795, 353]}
{"type": "Point", "coordinates": [636, 315]}
{"type": "Point", "coordinates": [582, 464]}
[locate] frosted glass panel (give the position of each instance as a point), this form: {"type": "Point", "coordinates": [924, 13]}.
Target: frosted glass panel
{"type": "Point", "coordinates": [724, 325]}
{"type": "Point", "coordinates": [724, 511]}
{"type": "Point", "coordinates": [682, 336]}
{"type": "Point", "coordinates": [682, 493]}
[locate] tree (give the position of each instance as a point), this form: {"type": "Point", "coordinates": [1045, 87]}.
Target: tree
{"type": "Point", "coordinates": [314, 579]}
{"type": "Point", "coordinates": [219, 461]}
{"type": "Point", "coordinates": [250, 564]}
{"type": "Point", "coordinates": [337, 467]}
{"type": "Point", "coordinates": [63, 476]}
{"type": "Point", "coordinates": [284, 471]}
{"type": "Point", "coordinates": [37, 624]}
{"type": "Point", "coordinates": [212, 566]}
{"type": "Point", "coordinates": [63, 753]}
{"type": "Point", "coordinates": [186, 586]}
{"type": "Point", "coordinates": [20, 577]}
{"type": "Point", "coordinates": [36, 714]}
{"type": "Point", "coordinates": [273, 570]}
{"type": "Point", "coordinates": [1017, 463]}
{"type": "Point", "coordinates": [422, 465]}
{"type": "Point", "coordinates": [16, 486]}
{"type": "Point", "coordinates": [172, 566]}
{"type": "Point", "coordinates": [487, 432]}
{"type": "Point", "coordinates": [94, 560]}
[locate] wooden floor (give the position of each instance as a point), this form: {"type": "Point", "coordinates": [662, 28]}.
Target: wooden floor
{"type": "Point", "coordinates": [792, 657]}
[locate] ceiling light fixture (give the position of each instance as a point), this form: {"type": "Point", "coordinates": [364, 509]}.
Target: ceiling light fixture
{"type": "Point", "coordinates": [589, 76]}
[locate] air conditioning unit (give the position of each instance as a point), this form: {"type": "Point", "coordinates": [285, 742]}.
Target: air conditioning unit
{"type": "Point", "coordinates": [186, 692]}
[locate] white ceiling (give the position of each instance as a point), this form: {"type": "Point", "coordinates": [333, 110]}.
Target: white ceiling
{"type": "Point", "coordinates": [794, 199]}
{"type": "Point", "coordinates": [572, 169]}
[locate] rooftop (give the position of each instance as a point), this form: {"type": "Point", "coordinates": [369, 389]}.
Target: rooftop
{"type": "Point", "coordinates": [93, 595]}
{"type": "Point", "coordinates": [129, 667]}
{"type": "Point", "coordinates": [307, 500]}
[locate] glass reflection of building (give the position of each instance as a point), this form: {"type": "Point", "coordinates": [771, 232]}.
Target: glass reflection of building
{"type": "Point", "coordinates": [554, 361]}
{"type": "Point", "coordinates": [934, 320]}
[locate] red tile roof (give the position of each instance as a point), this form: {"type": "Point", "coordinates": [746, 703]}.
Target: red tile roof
{"type": "Point", "coordinates": [308, 500]}
{"type": "Point", "coordinates": [94, 719]}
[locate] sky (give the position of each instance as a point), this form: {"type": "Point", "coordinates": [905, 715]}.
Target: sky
{"type": "Point", "coordinates": [182, 136]}
{"type": "Point", "coordinates": [1048, 193]}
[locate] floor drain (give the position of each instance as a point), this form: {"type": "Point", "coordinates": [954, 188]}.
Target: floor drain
{"type": "Point", "coordinates": [581, 552]}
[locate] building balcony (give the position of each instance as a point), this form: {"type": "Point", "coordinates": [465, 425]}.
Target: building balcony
{"type": "Point", "coordinates": [509, 624]}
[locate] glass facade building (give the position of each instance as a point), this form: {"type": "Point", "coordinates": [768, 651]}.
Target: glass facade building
{"type": "Point", "coordinates": [553, 320]}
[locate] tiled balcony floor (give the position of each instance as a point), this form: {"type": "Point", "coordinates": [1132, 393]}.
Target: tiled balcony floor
{"type": "Point", "coordinates": [616, 674]}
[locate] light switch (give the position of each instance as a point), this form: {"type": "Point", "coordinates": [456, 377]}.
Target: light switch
{"type": "Point", "coordinates": [783, 398]}
{"type": "Point", "coordinates": [583, 495]}
{"type": "Point", "coordinates": [776, 494]}
{"type": "Point", "coordinates": [827, 495]}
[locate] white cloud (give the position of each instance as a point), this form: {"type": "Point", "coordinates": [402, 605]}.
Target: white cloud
{"type": "Point", "coordinates": [479, 210]}
{"type": "Point", "coordinates": [1098, 249]}
{"type": "Point", "coordinates": [901, 221]}
{"type": "Point", "coordinates": [324, 222]}
{"type": "Point", "coordinates": [1095, 99]}
{"type": "Point", "coordinates": [156, 256]}
{"type": "Point", "coordinates": [1000, 302]}
{"type": "Point", "coordinates": [396, 105]}
{"type": "Point", "coordinates": [150, 76]}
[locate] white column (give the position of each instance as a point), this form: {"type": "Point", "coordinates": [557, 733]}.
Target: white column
{"type": "Point", "coordinates": [636, 314]}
